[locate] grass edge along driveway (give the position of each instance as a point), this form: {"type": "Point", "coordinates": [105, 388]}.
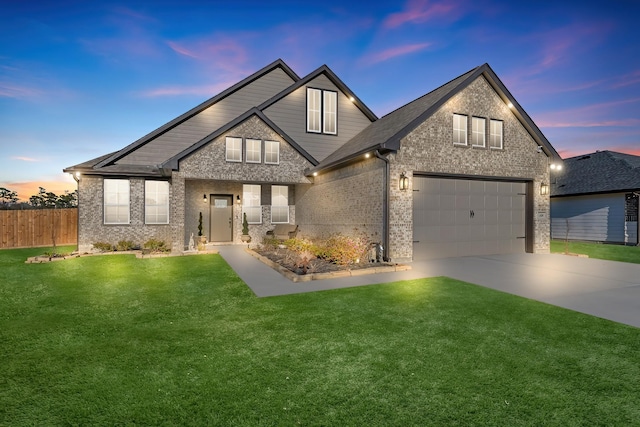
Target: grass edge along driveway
{"type": "Point", "coordinates": [183, 341]}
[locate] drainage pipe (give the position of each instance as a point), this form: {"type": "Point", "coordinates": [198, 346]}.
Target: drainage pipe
{"type": "Point", "coordinates": [385, 207]}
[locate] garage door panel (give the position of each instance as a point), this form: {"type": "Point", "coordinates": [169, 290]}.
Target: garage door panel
{"type": "Point", "coordinates": [458, 217]}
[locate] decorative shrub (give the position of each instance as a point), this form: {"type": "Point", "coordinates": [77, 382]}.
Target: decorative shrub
{"type": "Point", "coordinates": [125, 245]}
{"type": "Point", "coordinates": [103, 246]}
{"type": "Point", "coordinates": [245, 224]}
{"type": "Point", "coordinates": [155, 245]}
{"type": "Point", "coordinates": [300, 245]}
{"type": "Point", "coordinates": [343, 250]}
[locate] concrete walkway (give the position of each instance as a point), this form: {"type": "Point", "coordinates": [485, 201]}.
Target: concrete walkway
{"type": "Point", "coordinates": [606, 289]}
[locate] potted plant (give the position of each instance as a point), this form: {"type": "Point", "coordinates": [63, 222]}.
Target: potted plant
{"type": "Point", "coordinates": [203, 239]}
{"type": "Point", "coordinates": [245, 229]}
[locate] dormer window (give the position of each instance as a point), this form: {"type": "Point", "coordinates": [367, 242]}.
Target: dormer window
{"type": "Point", "coordinates": [322, 111]}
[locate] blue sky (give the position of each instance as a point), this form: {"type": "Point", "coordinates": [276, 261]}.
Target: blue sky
{"type": "Point", "coordinates": [82, 79]}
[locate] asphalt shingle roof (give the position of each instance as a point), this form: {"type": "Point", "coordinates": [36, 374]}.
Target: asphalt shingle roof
{"type": "Point", "coordinates": [599, 172]}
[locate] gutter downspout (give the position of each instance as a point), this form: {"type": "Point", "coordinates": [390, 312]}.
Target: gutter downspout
{"type": "Point", "coordinates": [385, 208]}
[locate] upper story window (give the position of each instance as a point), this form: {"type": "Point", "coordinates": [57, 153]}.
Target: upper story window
{"type": "Point", "coordinates": [272, 152]}
{"type": "Point", "coordinates": [478, 131]}
{"type": "Point", "coordinates": [459, 129]}
{"type": "Point", "coordinates": [116, 201]}
{"type": "Point", "coordinates": [322, 111]}
{"type": "Point", "coordinates": [495, 134]}
{"type": "Point", "coordinates": [234, 149]}
{"type": "Point", "coordinates": [156, 202]}
{"type": "Point", "coordinates": [254, 151]}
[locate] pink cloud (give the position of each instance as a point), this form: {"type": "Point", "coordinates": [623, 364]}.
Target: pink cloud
{"type": "Point", "coordinates": [220, 53]}
{"type": "Point", "coordinates": [628, 80]}
{"type": "Point", "coordinates": [421, 11]}
{"type": "Point", "coordinates": [593, 115]}
{"type": "Point", "coordinates": [10, 90]}
{"type": "Point", "coordinates": [25, 159]}
{"type": "Point", "coordinates": [394, 52]}
{"type": "Point", "coordinates": [205, 90]}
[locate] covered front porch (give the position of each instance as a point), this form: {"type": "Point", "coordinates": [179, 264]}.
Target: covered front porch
{"type": "Point", "coordinates": [221, 205]}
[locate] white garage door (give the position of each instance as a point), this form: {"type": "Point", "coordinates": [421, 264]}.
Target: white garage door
{"type": "Point", "coordinates": [460, 217]}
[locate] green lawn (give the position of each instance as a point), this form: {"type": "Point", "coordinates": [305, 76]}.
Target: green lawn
{"type": "Point", "coordinates": [599, 250]}
{"type": "Point", "coordinates": [115, 340]}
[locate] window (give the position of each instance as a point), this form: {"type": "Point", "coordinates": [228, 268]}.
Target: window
{"type": "Point", "coordinates": [279, 204]}
{"type": "Point", "coordinates": [495, 134]}
{"type": "Point", "coordinates": [272, 152]}
{"type": "Point", "coordinates": [251, 203]}
{"type": "Point", "coordinates": [478, 131]}
{"type": "Point", "coordinates": [234, 149]}
{"type": "Point", "coordinates": [116, 201]}
{"type": "Point", "coordinates": [459, 129]}
{"type": "Point", "coordinates": [156, 202]}
{"type": "Point", "coordinates": [254, 151]}
{"type": "Point", "coordinates": [330, 112]}
{"type": "Point", "coordinates": [322, 111]}
{"type": "Point", "coordinates": [313, 110]}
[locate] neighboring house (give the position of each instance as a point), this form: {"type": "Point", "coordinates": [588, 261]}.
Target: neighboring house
{"type": "Point", "coordinates": [595, 198]}
{"type": "Point", "coordinates": [458, 171]}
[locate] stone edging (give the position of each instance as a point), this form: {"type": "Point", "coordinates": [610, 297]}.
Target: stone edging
{"type": "Point", "coordinates": [40, 259]}
{"type": "Point", "coordinates": [387, 268]}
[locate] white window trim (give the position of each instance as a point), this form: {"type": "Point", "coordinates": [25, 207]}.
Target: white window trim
{"type": "Point", "coordinates": [491, 134]}
{"type": "Point", "coordinates": [120, 203]}
{"type": "Point", "coordinates": [279, 190]}
{"type": "Point", "coordinates": [248, 202]}
{"type": "Point", "coordinates": [327, 113]}
{"type": "Point", "coordinates": [249, 141]}
{"type": "Point", "coordinates": [233, 139]}
{"type": "Point", "coordinates": [267, 144]}
{"type": "Point", "coordinates": [458, 129]}
{"type": "Point", "coordinates": [314, 110]}
{"type": "Point", "coordinates": [482, 132]}
{"type": "Point", "coordinates": [147, 207]}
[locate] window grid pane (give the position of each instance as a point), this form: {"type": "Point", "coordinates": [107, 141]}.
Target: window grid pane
{"type": "Point", "coordinates": [478, 131]}
{"type": "Point", "coordinates": [279, 204]}
{"type": "Point", "coordinates": [156, 202]}
{"type": "Point", "coordinates": [272, 152]}
{"type": "Point", "coordinates": [234, 149]}
{"type": "Point", "coordinates": [254, 151]}
{"type": "Point", "coordinates": [251, 203]}
{"type": "Point", "coordinates": [330, 110]}
{"type": "Point", "coordinates": [116, 201]}
{"type": "Point", "coordinates": [495, 138]}
{"type": "Point", "coordinates": [459, 129]}
{"type": "Point", "coordinates": [313, 110]}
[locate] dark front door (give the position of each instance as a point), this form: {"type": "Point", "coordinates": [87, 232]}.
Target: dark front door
{"type": "Point", "coordinates": [221, 218]}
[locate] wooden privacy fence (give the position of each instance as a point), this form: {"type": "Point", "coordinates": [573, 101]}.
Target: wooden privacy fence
{"type": "Point", "coordinates": [36, 227]}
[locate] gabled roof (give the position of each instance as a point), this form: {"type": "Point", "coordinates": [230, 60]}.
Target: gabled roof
{"type": "Point", "coordinates": [386, 133]}
{"type": "Point", "coordinates": [599, 172]}
{"type": "Point", "coordinates": [333, 78]}
{"type": "Point", "coordinates": [184, 117]}
{"type": "Point", "coordinates": [173, 162]}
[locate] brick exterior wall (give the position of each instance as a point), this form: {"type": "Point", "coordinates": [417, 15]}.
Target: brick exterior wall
{"type": "Point", "coordinates": [429, 149]}
{"type": "Point", "coordinates": [91, 227]}
{"type": "Point", "coordinates": [345, 200]}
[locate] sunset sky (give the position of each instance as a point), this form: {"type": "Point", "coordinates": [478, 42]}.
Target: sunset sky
{"type": "Point", "coordinates": [82, 79]}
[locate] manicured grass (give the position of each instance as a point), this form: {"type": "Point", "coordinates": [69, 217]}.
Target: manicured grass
{"type": "Point", "coordinates": [115, 340]}
{"type": "Point", "coordinates": [599, 250]}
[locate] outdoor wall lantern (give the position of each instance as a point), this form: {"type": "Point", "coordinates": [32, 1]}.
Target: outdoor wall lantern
{"type": "Point", "coordinates": [238, 199]}
{"type": "Point", "coordinates": [555, 166]}
{"type": "Point", "coordinates": [404, 182]}
{"type": "Point", "coordinates": [204, 198]}
{"type": "Point", "coordinates": [544, 189]}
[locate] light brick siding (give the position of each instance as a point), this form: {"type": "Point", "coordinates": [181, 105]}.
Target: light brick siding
{"type": "Point", "coordinates": [91, 228]}
{"type": "Point", "coordinates": [206, 171]}
{"type": "Point", "coordinates": [429, 149]}
{"type": "Point", "coordinates": [345, 200]}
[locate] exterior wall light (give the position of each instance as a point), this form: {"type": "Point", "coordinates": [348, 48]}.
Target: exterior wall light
{"type": "Point", "coordinates": [315, 174]}
{"type": "Point", "coordinates": [510, 105]}
{"type": "Point", "coordinates": [544, 189]}
{"type": "Point", "coordinates": [404, 182]}
{"type": "Point", "coordinates": [238, 199]}
{"type": "Point", "coordinates": [555, 166]}
{"type": "Point", "coordinates": [204, 198]}
{"type": "Point", "coordinates": [366, 156]}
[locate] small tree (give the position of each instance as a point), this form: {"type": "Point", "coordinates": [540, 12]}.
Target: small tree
{"type": "Point", "coordinates": [200, 225]}
{"type": "Point", "coordinates": [245, 225]}
{"type": "Point", "coordinates": [7, 197]}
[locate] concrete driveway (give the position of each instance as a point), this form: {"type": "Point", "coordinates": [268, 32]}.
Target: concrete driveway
{"type": "Point", "coordinates": [606, 289]}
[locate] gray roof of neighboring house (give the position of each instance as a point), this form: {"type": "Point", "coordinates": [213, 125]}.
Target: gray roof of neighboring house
{"type": "Point", "coordinates": [385, 134]}
{"type": "Point", "coordinates": [599, 172]}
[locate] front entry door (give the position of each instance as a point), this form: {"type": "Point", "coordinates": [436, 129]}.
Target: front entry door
{"type": "Point", "coordinates": [221, 218]}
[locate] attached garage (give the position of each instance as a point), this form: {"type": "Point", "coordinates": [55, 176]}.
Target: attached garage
{"type": "Point", "coordinates": [465, 216]}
